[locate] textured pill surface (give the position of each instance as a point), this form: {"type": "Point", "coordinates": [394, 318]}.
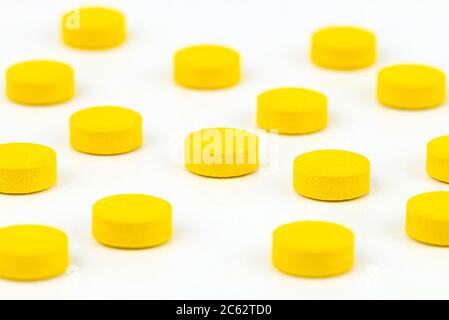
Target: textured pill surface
{"type": "Point", "coordinates": [313, 249]}
{"type": "Point", "coordinates": [331, 175]}
{"type": "Point", "coordinates": [292, 110]}
{"type": "Point", "coordinates": [40, 82]}
{"type": "Point", "coordinates": [222, 152]}
{"type": "Point", "coordinates": [427, 218]}
{"type": "Point", "coordinates": [32, 252]}
{"type": "Point", "coordinates": [437, 164]}
{"type": "Point", "coordinates": [26, 168]}
{"type": "Point", "coordinates": [411, 86]}
{"type": "Point", "coordinates": [207, 67]}
{"type": "Point", "coordinates": [343, 48]}
{"type": "Point", "coordinates": [94, 28]}
{"type": "Point", "coordinates": [132, 221]}
{"type": "Point", "coordinates": [106, 130]}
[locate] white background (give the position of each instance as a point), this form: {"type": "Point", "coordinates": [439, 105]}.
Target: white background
{"type": "Point", "coordinates": [222, 242]}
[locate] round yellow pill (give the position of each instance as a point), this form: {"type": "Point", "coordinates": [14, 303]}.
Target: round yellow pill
{"type": "Point", "coordinates": [132, 221]}
{"type": "Point", "coordinates": [292, 110]}
{"type": "Point", "coordinates": [40, 82]}
{"type": "Point", "coordinates": [26, 168]}
{"type": "Point", "coordinates": [343, 48]}
{"type": "Point", "coordinates": [313, 249]}
{"type": "Point", "coordinates": [331, 175]}
{"type": "Point", "coordinates": [438, 158]}
{"type": "Point", "coordinates": [411, 86]}
{"type": "Point", "coordinates": [428, 218]}
{"type": "Point", "coordinates": [207, 67]}
{"type": "Point", "coordinates": [222, 152]}
{"type": "Point", "coordinates": [93, 28]}
{"type": "Point", "coordinates": [32, 252]}
{"type": "Point", "coordinates": [106, 130]}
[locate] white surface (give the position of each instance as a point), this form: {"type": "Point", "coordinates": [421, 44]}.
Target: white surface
{"type": "Point", "coordinates": [221, 246]}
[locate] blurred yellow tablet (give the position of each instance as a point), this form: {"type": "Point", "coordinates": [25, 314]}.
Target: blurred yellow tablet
{"type": "Point", "coordinates": [93, 28]}
{"type": "Point", "coordinates": [32, 252]}
{"type": "Point", "coordinates": [411, 86]}
{"type": "Point", "coordinates": [40, 82]}
{"type": "Point", "coordinates": [331, 175]}
{"type": "Point", "coordinates": [106, 130]}
{"type": "Point", "coordinates": [222, 152]}
{"type": "Point", "coordinates": [313, 249]}
{"type": "Point", "coordinates": [207, 67]}
{"type": "Point", "coordinates": [26, 168]}
{"type": "Point", "coordinates": [292, 110]}
{"type": "Point", "coordinates": [343, 48]}
{"type": "Point", "coordinates": [437, 164]}
{"type": "Point", "coordinates": [132, 221]}
{"type": "Point", "coordinates": [428, 218]}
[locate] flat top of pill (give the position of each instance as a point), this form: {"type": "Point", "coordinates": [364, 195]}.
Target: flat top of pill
{"type": "Point", "coordinates": [431, 205]}
{"type": "Point", "coordinates": [106, 118]}
{"type": "Point", "coordinates": [343, 37]}
{"type": "Point", "coordinates": [314, 236]}
{"type": "Point", "coordinates": [97, 19]}
{"type": "Point", "coordinates": [206, 57]}
{"type": "Point", "coordinates": [332, 163]}
{"type": "Point", "coordinates": [31, 240]}
{"type": "Point", "coordinates": [24, 155]}
{"type": "Point", "coordinates": [132, 209]}
{"type": "Point", "coordinates": [292, 100]}
{"type": "Point", "coordinates": [40, 72]}
{"type": "Point", "coordinates": [412, 76]}
{"type": "Point", "coordinates": [440, 146]}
